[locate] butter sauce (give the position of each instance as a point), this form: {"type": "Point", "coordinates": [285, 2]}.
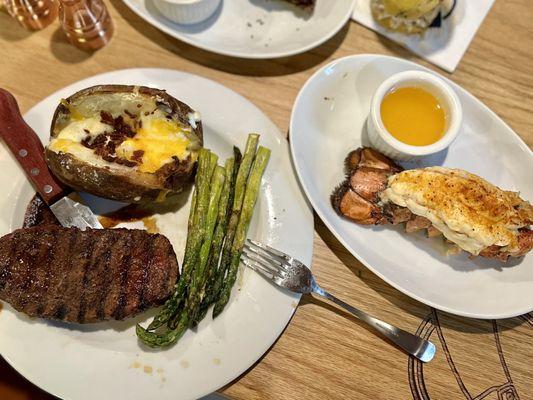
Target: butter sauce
{"type": "Point", "coordinates": [413, 116]}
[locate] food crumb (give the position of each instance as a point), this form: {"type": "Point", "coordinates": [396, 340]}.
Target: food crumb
{"type": "Point", "coordinates": [216, 361]}
{"type": "Point", "coordinates": [249, 25]}
{"type": "Point", "coordinates": [345, 75]}
{"type": "Point", "coordinates": [148, 369]}
{"type": "Point", "coordinates": [150, 224]}
{"type": "Point", "coordinates": [327, 98]}
{"type": "Point", "coordinates": [184, 364]}
{"type": "Point", "coordinates": [135, 364]}
{"type": "Point", "coordinates": [160, 370]}
{"type": "Point", "coordinates": [294, 304]}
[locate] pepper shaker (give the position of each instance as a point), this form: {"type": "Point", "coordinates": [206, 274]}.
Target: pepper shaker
{"type": "Point", "coordinates": [86, 23]}
{"type": "Point", "coordinates": [32, 14]}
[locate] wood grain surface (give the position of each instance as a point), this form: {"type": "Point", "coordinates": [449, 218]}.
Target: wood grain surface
{"type": "Point", "coordinates": [324, 353]}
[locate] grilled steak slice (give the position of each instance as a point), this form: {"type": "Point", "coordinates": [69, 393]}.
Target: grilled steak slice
{"type": "Point", "coordinates": [38, 213]}
{"type": "Point", "coordinates": [85, 276]}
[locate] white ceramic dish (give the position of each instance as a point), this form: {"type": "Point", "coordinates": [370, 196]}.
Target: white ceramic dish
{"type": "Point", "coordinates": [187, 11]}
{"type": "Point", "coordinates": [255, 28]}
{"type": "Point", "coordinates": [327, 122]}
{"type": "Point", "coordinates": [383, 141]}
{"type": "Point", "coordinates": [105, 360]}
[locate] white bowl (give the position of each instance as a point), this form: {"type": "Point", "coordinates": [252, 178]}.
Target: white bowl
{"type": "Point", "coordinates": [387, 144]}
{"type": "Point", "coordinates": [187, 11]}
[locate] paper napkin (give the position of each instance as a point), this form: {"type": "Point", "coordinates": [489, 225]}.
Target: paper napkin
{"type": "Point", "coordinates": [442, 46]}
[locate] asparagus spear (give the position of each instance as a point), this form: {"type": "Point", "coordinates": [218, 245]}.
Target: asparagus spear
{"type": "Point", "coordinates": [199, 275]}
{"type": "Point", "coordinates": [194, 238]}
{"type": "Point", "coordinates": [240, 185]}
{"type": "Point", "coordinates": [250, 197]}
{"type": "Point", "coordinates": [224, 211]}
{"type": "Point", "coordinates": [179, 318]}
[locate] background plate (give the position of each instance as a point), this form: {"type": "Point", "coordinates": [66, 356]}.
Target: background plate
{"type": "Point", "coordinates": [255, 28]}
{"type": "Point", "coordinates": [327, 122]}
{"type": "Point", "coordinates": [105, 361]}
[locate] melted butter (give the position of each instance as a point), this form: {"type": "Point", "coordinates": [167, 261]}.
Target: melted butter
{"type": "Point", "coordinates": [74, 114]}
{"type": "Point", "coordinates": [413, 116]}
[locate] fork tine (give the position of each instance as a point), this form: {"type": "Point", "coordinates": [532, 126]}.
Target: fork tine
{"type": "Point", "coordinates": [252, 257]}
{"type": "Point", "coordinates": [270, 250]}
{"type": "Point", "coordinates": [265, 263]}
{"type": "Point", "coordinates": [260, 271]}
{"type": "Point", "coordinates": [261, 267]}
{"type": "Point", "coordinates": [266, 257]}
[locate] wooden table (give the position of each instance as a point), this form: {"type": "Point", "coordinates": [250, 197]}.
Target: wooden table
{"type": "Point", "coordinates": [323, 353]}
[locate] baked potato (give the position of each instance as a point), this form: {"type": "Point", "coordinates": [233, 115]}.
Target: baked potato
{"type": "Point", "coordinates": [127, 143]}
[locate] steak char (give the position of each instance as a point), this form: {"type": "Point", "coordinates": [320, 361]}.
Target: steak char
{"type": "Point", "coordinates": [85, 276]}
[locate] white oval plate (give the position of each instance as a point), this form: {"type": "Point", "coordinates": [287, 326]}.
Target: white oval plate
{"type": "Point", "coordinates": [327, 122]}
{"type": "Point", "coordinates": [105, 361]}
{"type": "Point", "coordinates": [255, 28]}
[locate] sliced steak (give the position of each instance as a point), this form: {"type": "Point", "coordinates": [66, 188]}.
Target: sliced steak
{"type": "Point", "coordinates": [85, 276]}
{"type": "Point", "coordinates": [38, 213]}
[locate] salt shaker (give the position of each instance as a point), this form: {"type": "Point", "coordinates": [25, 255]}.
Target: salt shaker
{"type": "Point", "coordinates": [86, 23]}
{"type": "Point", "coordinates": [32, 14]}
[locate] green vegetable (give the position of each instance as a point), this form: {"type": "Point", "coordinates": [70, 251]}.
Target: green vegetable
{"type": "Point", "coordinates": [195, 237]}
{"type": "Point", "coordinates": [224, 212]}
{"type": "Point", "coordinates": [221, 210]}
{"type": "Point", "coordinates": [199, 276]}
{"type": "Point", "coordinates": [250, 197]}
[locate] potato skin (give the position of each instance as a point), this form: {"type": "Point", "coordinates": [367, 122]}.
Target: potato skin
{"type": "Point", "coordinates": [128, 186]}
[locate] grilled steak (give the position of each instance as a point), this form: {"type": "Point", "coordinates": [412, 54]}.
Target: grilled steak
{"type": "Point", "coordinates": [38, 213]}
{"type": "Point", "coordinates": [85, 276]}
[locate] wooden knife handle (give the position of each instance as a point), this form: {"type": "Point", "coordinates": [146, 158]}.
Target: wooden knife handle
{"type": "Point", "coordinates": [27, 148]}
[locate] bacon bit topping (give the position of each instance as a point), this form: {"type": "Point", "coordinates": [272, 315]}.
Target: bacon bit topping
{"type": "Point", "coordinates": [129, 114]}
{"type": "Point", "coordinates": [137, 156]}
{"type": "Point", "coordinates": [106, 118]}
{"type": "Point", "coordinates": [105, 144]}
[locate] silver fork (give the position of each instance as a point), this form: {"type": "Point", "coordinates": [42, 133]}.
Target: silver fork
{"type": "Point", "coordinates": [287, 272]}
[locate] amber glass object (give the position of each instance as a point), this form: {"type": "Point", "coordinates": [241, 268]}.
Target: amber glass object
{"type": "Point", "coordinates": [86, 23]}
{"type": "Point", "coordinates": [32, 14]}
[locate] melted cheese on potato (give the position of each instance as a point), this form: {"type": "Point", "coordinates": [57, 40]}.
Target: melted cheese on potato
{"type": "Point", "coordinates": [159, 138]}
{"type": "Point", "coordinates": [468, 210]}
{"type": "Point", "coordinates": [69, 140]}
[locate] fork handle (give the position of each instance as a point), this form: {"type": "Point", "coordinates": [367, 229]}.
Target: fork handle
{"type": "Point", "coordinates": [414, 345]}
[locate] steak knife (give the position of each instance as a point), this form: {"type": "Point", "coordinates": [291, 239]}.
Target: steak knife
{"type": "Point", "coordinates": [29, 152]}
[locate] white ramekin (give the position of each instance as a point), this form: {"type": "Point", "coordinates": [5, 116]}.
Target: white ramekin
{"type": "Point", "coordinates": [384, 142]}
{"type": "Point", "coordinates": [187, 11]}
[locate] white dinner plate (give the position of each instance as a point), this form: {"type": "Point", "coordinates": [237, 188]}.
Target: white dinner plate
{"type": "Point", "coordinates": [327, 122]}
{"type": "Point", "coordinates": [105, 360]}
{"type": "Point", "coordinates": [255, 28]}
